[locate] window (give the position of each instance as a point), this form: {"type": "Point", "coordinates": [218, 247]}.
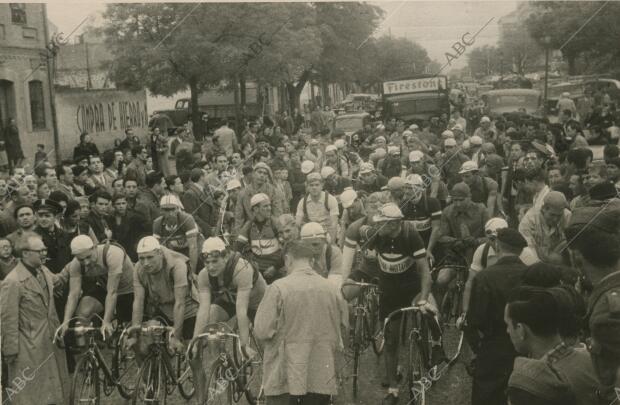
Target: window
{"type": "Point", "coordinates": [18, 13]}
{"type": "Point", "coordinates": [37, 106]}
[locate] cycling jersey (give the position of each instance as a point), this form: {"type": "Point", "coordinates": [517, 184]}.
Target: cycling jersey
{"type": "Point", "coordinates": [353, 240]}
{"type": "Point", "coordinates": [243, 278]}
{"type": "Point", "coordinates": [175, 235]}
{"type": "Point", "coordinates": [262, 241]}
{"type": "Point", "coordinates": [397, 255]}
{"type": "Point", "coordinates": [421, 214]}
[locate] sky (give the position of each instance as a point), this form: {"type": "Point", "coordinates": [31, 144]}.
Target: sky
{"type": "Point", "coordinates": [436, 25]}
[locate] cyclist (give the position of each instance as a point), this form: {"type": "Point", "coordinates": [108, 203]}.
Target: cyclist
{"type": "Point", "coordinates": [228, 286]}
{"type": "Point", "coordinates": [162, 283]}
{"type": "Point", "coordinates": [423, 211]}
{"type": "Point", "coordinates": [404, 278]}
{"type": "Point", "coordinates": [258, 239]}
{"type": "Point", "coordinates": [100, 280]}
{"type": "Point", "coordinates": [327, 261]}
{"type": "Point", "coordinates": [318, 206]}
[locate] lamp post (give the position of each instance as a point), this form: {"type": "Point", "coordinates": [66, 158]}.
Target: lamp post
{"type": "Point", "coordinates": [501, 66]}
{"type": "Point", "coordinates": [547, 42]}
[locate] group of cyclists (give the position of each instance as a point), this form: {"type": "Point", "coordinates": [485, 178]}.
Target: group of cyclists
{"type": "Point", "coordinates": [383, 205]}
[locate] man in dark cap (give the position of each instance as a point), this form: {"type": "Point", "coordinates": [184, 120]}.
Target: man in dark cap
{"type": "Point", "coordinates": [54, 238]}
{"type": "Point", "coordinates": [490, 292]}
{"type": "Point", "coordinates": [594, 235]}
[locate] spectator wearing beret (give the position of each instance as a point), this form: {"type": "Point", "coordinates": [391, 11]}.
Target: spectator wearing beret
{"type": "Point", "coordinates": [490, 291]}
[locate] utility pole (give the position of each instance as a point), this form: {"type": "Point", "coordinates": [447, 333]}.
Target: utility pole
{"type": "Point", "coordinates": [50, 56]}
{"type": "Point", "coordinates": [89, 83]}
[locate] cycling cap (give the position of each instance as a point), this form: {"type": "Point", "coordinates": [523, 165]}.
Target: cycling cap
{"type": "Point", "coordinates": [307, 166]}
{"type": "Point", "coordinates": [148, 244]}
{"type": "Point", "coordinates": [340, 144]}
{"type": "Point", "coordinates": [457, 127]}
{"type": "Point", "coordinates": [366, 167]}
{"type": "Point", "coordinates": [413, 127]}
{"type": "Point", "coordinates": [465, 144]}
{"type": "Point", "coordinates": [449, 142]}
{"type": "Point", "coordinates": [330, 148]}
{"type": "Point", "coordinates": [380, 153]}
{"type": "Point", "coordinates": [415, 156]}
{"type": "Point", "coordinates": [447, 134]}
{"type": "Point", "coordinates": [314, 177]}
{"type": "Point", "coordinates": [233, 185]}
{"type": "Point", "coordinates": [494, 224]}
{"type": "Point", "coordinates": [407, 133]}
{"type": "Point", "coordinates": [312, 230]}
{"type": "Point", "coordinates": [485, 119]}
{"type": "Point", "coordinates": [80, 244]}
{"type": "Point", "coordinates": [213, 244]}
{"type": "Point", "coordinates": [469, 166]}
{"type": "Point", "coordinates": [170, 201]}
{"type": "Point", "coordinates": [414, 180]}
{"type": "Point", "coordinates": [388, 212]}
{"type": "Point", "coordinates": [327, 171]}
{"type": "Point", "coordinates": [314, 142]}
{"type": "Point", "coordinates": [393, 150]}
{"type": "Point", "coordinates": [475, 140]}
{"type": "Point", "coordinates": [258, 198]}
{"type": "Point", "coordinates": [395, 183]}
{"type": "Point", "coordinates": [347, 198]}
{"type": "Point", "coordinates": [380, 137]}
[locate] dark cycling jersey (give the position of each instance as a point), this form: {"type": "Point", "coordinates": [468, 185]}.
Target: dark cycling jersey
{"type": "Point", "coordinates": [421, 214]}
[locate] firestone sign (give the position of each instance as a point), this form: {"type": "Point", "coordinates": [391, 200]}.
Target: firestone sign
{"type": "Point", "coordinates": [415, 85]}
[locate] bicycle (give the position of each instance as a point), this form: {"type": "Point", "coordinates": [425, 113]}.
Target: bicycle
{"type": "Point", "coordinates": [451, 306]}
{"type": "Point", "coordinates": [366, 324]}
{"type": "Point", "coordinates": [419, 375]}
{"type": "Point", "coordinates": [91, 363]}
{"type": "Point", "coordinates": [157, 378]}
{"type": "Point", "coordinates": [231, 376]}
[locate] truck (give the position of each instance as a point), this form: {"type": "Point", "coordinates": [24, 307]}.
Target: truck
{"type": "Point", "coordinates": [218, 104]}
{"type": "Point", "coordinates": [416, 99]}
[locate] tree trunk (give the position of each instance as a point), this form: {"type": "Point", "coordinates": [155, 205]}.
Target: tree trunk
{"type": "Point", "coordinates": [325, 93]}
{"type": "Point", "coordinates": [312, 97]}
{"type": "Point", "coordinates": [294, 90]}
{"type": "Point", "coordinates": [572, 65]}
{"type": "Point", "coordinates": [242, 90]}
{"type": "Point", "coordinates": [195, 111]}
{"type": "Point", "coordinates": [237, 106]}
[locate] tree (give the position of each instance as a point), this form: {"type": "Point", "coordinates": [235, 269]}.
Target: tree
{"type": "Point", "coordinates": [576, 28]}
{"type": "Point", "coordinates": [389, 58]}
{"type": "Point", "coordinates": [484, 61]}
{"type": "Point", "coordinates": [519, 51]}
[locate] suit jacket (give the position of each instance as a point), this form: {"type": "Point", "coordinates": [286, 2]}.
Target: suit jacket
{"type": "Point", "coordinates": [200, 205]}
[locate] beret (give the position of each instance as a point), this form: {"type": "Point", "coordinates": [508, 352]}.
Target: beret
{"type": "Point", "coordinates": [511, 237]}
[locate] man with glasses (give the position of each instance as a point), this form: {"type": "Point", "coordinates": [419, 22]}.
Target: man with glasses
{"type": "Point", "coordinates": [28, 322]}
{"type": "Point", "coordinates": [100, 281]}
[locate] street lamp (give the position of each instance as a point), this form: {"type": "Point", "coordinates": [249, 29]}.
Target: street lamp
{"type": "Point", "coordinates": [547, 42]}
{"type": "Point", "coordinates": [501, 66]}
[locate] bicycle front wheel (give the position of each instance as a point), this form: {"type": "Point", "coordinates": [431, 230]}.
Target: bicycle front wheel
{"type": "Point", "coordinates": [185, 377]}
{"type": "Point", "coordinates": [357, 350]}
{"type": "Point", "coordinates": [151, 383]}
{"type": "Point", "coordinates": [416, 370]}
{"type": "Point", "coordinates": [125, 369]}
{"type": "Point", "coordinates": [219, 384]}
{"type": "Point", "coordinates": [253, 374]}
{"type": "Point", "coordinates": [85, 386]}
{"type": "Point", "coordinates": [375, 327]}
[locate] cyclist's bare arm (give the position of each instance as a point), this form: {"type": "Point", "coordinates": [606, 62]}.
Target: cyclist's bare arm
{"type": "Point", "coordinates": [242, 303]}
{"type": "Point", "coordinates": [75, 289]}
{"type": "Point", "coordinates": [436, 231]}
{"type": "Point", "coordinates": [111, 296]}
{"type": "Point", "coordinates": [178, 313]}
{"type": "Point", "coordinates": [348, 255]}
{"type": "Point", "coordinates": [425, 275]}
{"type": "Point", "coordinates": [204, 308]}
{"type": "Point", "coordinates": [138, 301]}
{"type": "Point", "coordinates": [193, 250]}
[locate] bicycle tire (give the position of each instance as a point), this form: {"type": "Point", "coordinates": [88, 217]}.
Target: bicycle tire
{"type": "Point", "coordinates": [254, 380]}
{"type": "Point", "coordinates": [90, 373]}
{"type": "Point", "coordinates": [182, 366]}
{"type": "Point", "coordinates": [151, 371]}
{"type": "Point", "coordinates": [124, 374]}
{"type": "Point", "coordinates": [416, 367]}
{"type": "Point", "coordinates": [452, 343]}
{"type": "Point", "coordinates": [357, 350]}
{"type": "Point", "coordinates": [218, 384]}
{"type": "Point", "coordinates": [375, 327]}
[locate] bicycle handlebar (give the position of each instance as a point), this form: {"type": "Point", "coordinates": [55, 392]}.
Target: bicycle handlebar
{"type": "Point", "coordinates": [212, 336]}
{"type": "Point", "coordinates": [392, 314]}
{"type": "Point", "coordinates": [147, 330]}
{"type": "Point", "coordinates": [358, 284]}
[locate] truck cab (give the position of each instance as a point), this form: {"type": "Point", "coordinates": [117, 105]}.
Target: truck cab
{"type": "Point", "coordinates": [416, 99]}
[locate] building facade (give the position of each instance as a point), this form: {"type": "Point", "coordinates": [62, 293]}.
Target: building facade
{"type": "Point", "coordinates": [24, 86]}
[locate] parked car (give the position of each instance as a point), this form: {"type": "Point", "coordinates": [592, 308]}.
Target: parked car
{"type": "Point", "coordinates": [523, 102]}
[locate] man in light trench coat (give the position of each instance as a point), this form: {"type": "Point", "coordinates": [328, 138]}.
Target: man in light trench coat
{"type": "Point", "coordinates": [37, 368]}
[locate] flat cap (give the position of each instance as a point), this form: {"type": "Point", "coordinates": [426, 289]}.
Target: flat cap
{"type": "Point", "coordinates": [460, 190]}
{"type": "Point", "coordinates": [603, 191]}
